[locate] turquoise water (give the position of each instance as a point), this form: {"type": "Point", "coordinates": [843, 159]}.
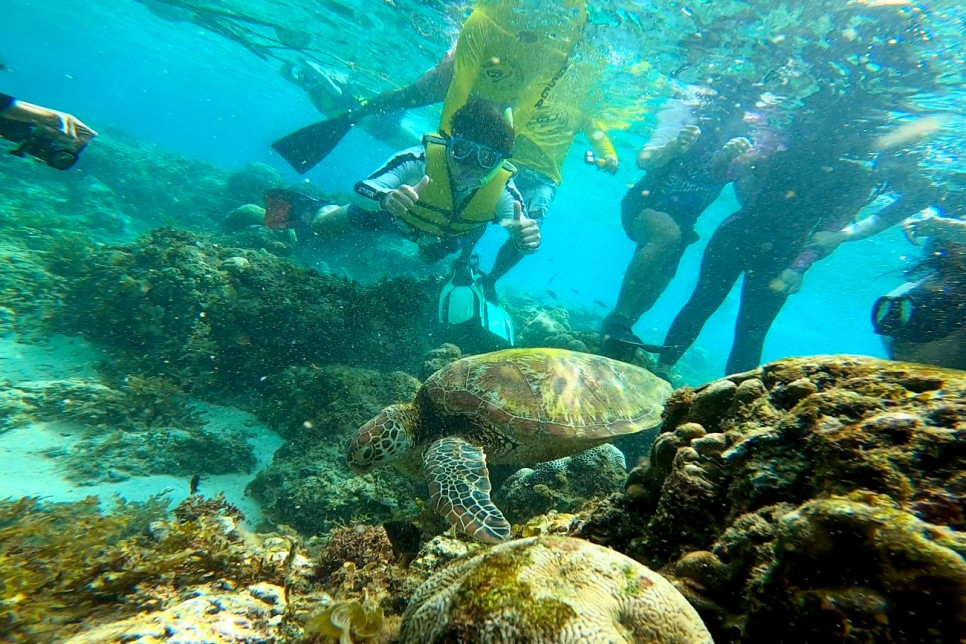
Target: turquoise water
{"type": "Point", "coordinates": [160, 345]}
{"type": "Point", "coordinates": [196, 94]}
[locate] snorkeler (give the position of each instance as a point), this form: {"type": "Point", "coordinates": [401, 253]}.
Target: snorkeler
{"type": "Point", "coordinates": [54, 137]}
{"type": "Point", "coordinates": [440, 195]}
{"type": "Point", "coordinates": [688, 162]}
{"type": "Point", "coordinates": [816, 185]}
{"type": "Point", "coordinates": [549, 110]}
{"type": "Point", "coordinates": [924, 320]}
{"type": "Point", "coordinates": [506, 56]}
{"type": "Point", "coordinates": [260, 37]}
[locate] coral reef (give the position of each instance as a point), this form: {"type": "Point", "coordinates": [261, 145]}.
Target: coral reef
{"type": "Point", "coordinates": [440, 551]}
{"type": "Point", "coordinates": [146, 425]}
{"type": "Point", "coordinates": [347, 621]}
{"type": "Point", "coordinates": [438, 358]}
{"type": "Point", "coordinates": [153, 187]}
{"type": "Point", "coordinates": [563, 485]}
{"type": "Point", "coordinates": [308, 486]}
{"type": "Point", "coordinates": [215, 612]}
{"type": "Point", "coordinates": [547, 327]}
{"type": "Point", "coordinates": [813, 499]}
{"type": "Point", "coordinates": [67, 568]}
{"type": "Point", "coordinates": [215, 317]}
{"type": "Point", "coordinates": [244, 216]}
{"type": "Point", "coordinates": [88, 402]}
{"type": "Point", "coordinates": [550, 589]}
{"type": "Point", "coordinates": [118, 455]}
{"type": "Point", "coordinates": [249, 184]}
{"type": "Point", "coordinates": [27, 290]}
{"type": "Point", "coordinates": [138, 403]}
{"type": "Point", "coordinates": [359, 561]}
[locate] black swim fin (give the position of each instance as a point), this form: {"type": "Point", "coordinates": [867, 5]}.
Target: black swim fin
{"type": "Point", "coordinates": [305, 148]}
{"type": "Point", "coordinates": [649, 348]}
{"type": "Point", "coordinates": [626, 338]}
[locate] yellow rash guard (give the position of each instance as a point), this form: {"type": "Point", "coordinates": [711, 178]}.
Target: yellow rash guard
{"type": "Point", "coordinates": [508, 56]}
{"type": "Point", "coordinates": [542, 144]}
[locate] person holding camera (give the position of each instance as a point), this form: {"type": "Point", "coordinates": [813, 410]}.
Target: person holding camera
{"type": "Point", "coordinates": [54, 137]}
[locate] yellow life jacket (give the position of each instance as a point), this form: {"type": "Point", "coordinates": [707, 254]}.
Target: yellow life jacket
{"type": "Point", "coordinates": [435, 214]}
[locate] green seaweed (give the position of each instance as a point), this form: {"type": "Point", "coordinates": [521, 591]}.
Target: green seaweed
{"type": "Point", "coordinates": [494, 591]}
{"type": "Point", "coordinates": [63, 563]}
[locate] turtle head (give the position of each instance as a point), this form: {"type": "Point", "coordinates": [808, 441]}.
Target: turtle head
{"type": "Point", "coordinates": [384, 440]}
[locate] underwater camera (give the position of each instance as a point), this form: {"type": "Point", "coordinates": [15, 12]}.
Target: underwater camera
{"type": "Point", "coordinates": [57, 150]}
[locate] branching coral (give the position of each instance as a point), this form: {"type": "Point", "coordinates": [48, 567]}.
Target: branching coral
{"type": "Point", "coordinates": [360, 561]}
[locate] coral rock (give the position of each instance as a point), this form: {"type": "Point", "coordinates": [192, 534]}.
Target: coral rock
{"type": "Point", "coordinates": [712, 401]}
{"type": "Point", "coordinates": [244, 216]}
{"type": "Point", "coordinates": [550, 589]}
{"type": "Point", "coordinates": [249, 184]}
{"type": "Point", "coordinates": [564, 484]}
{"type": "Point", "coordinates": [827, 503]}
{"type": "Point", "coordinates": [208, 615]}
{"type": "Point", "coordinates": [438, 358]}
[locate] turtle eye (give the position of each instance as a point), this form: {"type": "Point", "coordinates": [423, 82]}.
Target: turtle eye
{"type": "Point", "coordinates": [365, 454]}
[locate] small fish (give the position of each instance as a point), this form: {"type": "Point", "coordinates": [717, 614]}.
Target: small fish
{"type": "Point", "coordinates": [600, 304]}
{"type": "Point", "coordinates": [551, 294]}
{"type": "Point", "coordinates": [405, 537]}
{"type": "Point", "coordinates": [195, 482]}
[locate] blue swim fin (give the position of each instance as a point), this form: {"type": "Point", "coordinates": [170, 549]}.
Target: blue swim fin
{"type": "Point", "coordinates": [497, 321]}
{"type": "Point", "coordinates": [462, 300]}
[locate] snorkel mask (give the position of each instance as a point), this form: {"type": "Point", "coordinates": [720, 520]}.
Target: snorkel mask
{"type": "Point", "coordinates": [474, 156]}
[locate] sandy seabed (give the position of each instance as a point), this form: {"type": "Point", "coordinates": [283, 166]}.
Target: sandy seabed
{"type": "Point", "coordinates": [26, 470]}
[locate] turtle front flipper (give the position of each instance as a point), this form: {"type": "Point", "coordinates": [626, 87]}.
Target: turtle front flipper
{"type": "Point", "coordinates": [459, 485]}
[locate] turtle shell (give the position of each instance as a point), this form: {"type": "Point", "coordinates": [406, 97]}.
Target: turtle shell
{"type": "Point", "coordinates": [551, 393]}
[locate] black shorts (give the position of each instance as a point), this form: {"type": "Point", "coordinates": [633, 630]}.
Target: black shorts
{"type": "Point", "coordinates": [684, 207]}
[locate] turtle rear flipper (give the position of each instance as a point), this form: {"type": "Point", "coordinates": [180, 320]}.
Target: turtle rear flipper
{"type": "Point", "coordinates": [459, 485]}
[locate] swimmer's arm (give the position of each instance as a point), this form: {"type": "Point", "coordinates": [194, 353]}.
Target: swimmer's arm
{"type": "Point", "coordinates": [906, 206]}
{"type": "Point", "coordinates": [674, 119]}
{"type": "Point", "coordinates": [652, 157]}
{"type": "Point", "coordinates": [657, 152]}
{"type": "Point", "coordinates": [945, 229]}
{"type": "Point", "coordinates": [429, 88]}
{"type": "Point", "coordinates": [831, 225]}
{"type": "Point", "coordinates": [789, 281]}
{"type": "Point", "coordinates": [602, 145]}
{"type": "Point", "coordinates": [384, 181]}
{"type": "Point", "coordinates": [68, 124]}
{"type": "Point", "coordinates": [730, 159]}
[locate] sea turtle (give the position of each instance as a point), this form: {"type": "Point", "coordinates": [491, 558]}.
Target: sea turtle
{"type": "Point", "coordinates": [512, 406]}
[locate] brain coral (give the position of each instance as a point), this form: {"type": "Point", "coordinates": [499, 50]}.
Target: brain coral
{"type": "Point", "coordinates": [550, 589]}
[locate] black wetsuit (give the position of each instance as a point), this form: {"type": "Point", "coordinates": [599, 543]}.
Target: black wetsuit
{"type": "Point", "coordinates": [798, 193]}
{"type": "Point", "coordinates": [684, 187]}
{"type": "Point", "coordinates": [6, 101]}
